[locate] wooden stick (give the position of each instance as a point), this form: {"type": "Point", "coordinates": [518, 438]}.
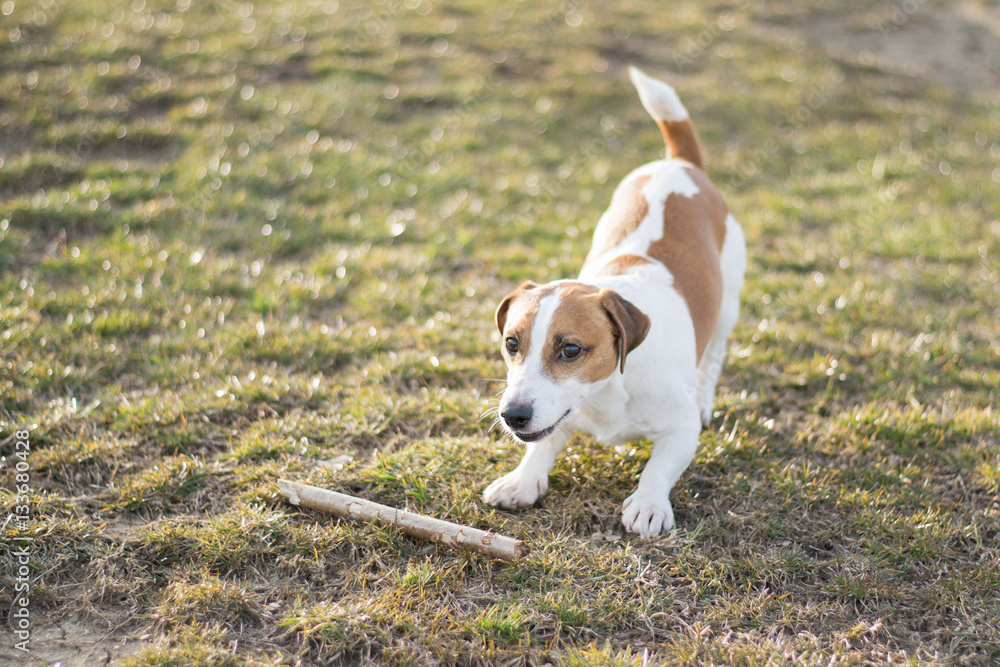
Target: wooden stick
{"type": "Point", "coordinates": [424, 527]}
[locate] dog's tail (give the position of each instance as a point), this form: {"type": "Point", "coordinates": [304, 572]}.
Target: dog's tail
{"type": "Point", "coordinates": [665, 107]}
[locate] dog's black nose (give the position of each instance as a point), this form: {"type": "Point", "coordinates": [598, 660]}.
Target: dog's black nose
{"type": "Point", "coordinates": [517, 416]}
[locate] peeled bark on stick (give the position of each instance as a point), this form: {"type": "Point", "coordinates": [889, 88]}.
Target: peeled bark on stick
{"type": "Point", "coordinates": [418, 525]}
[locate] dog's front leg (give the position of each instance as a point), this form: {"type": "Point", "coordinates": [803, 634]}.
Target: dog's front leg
{"type": "Point", "coordinates": [530, 479]}
{"type": "Point", "coordinates": [648, 510]}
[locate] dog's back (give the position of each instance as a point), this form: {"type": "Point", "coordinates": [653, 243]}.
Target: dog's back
{"type": "Point", "coordinates": [670, 212]}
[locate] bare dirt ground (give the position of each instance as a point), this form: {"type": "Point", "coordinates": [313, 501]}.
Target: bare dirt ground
{"type": "Point", "coordinates": [955, 45]}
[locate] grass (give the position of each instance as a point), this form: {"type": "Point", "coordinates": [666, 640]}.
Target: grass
{"type": "Point", "coordinates": [241, 241]}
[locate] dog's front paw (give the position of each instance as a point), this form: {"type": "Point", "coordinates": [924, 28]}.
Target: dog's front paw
{"type": "Point", "coordinates": [515, 489]}
{"type": "Point", "coordinates": [646, 514]}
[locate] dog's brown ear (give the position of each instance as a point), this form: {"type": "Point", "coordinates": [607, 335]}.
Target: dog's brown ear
{"type": "Point", "coordinates": [501, 314]}
{"type": "Point", "coordinates": [631, 324]}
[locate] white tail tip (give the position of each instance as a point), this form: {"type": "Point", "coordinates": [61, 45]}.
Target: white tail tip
{"type": "Point", "coordinates": [659, 99]}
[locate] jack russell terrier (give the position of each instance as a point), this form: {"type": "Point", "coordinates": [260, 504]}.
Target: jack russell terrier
{"type": "Point", "coordinates": [633, 348]}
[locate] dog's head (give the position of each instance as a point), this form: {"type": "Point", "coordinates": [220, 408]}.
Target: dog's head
{"type": "Point", "coordinates": [561, 342]}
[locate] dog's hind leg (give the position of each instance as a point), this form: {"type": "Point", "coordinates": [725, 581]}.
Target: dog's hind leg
{"type": "Point", "coordinates": [733, 261]}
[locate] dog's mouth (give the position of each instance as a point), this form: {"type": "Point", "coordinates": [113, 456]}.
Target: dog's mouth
{"type": "Point", "coordinates": [538, 435]}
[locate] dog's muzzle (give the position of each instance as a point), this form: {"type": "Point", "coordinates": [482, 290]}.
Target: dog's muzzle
{"type": "Point", "coordinates": [517, 417]}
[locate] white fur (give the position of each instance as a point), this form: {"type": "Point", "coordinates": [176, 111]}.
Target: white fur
{"type": "Point", "coordinates": [659, 99]}
{"type": "Point", "coordinates": [733, 260]}
{"type": "Point", "coordinates": [664, 395]}
{"type": "Point", "coordinates": [528, 384]}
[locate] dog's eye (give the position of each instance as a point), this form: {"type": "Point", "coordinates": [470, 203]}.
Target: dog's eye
{"type": "Point", "coordinates": [511, 344]}
{"type": "Point", "coordinates": [571, 351]}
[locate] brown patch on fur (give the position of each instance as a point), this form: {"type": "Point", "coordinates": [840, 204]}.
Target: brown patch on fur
{"type": "Point", "coordinates": [519, 309]}
{"type": "Point", "coordinates": [631, 324]}
{"type": "Point", "coordinates": [605, 326]}
{"type": "Point", "coordinates": [621, 264]}
{"type": "Point", "coordinates": [626, 212]}
{"type": "Point", "coordinates": [682, 141]}
{"type": "Point", "coordinates": [694, 229]}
